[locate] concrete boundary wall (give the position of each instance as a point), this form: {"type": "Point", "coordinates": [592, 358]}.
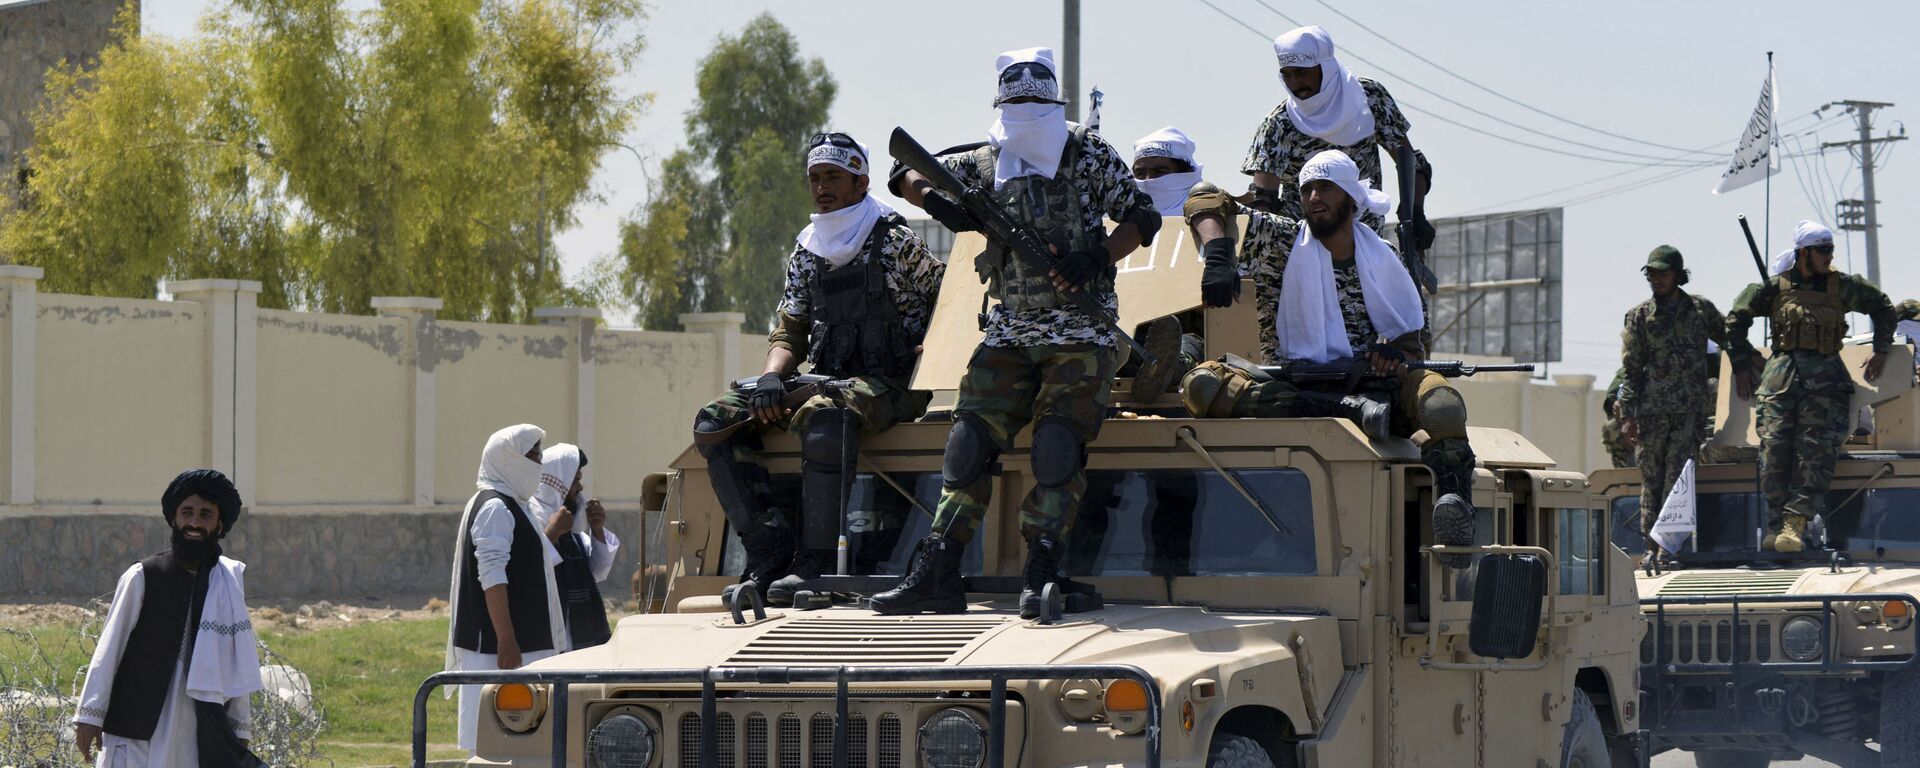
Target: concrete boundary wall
{"type": "Point", "coordinates": [354, 439]}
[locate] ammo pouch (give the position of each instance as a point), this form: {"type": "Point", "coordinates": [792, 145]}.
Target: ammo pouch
{"type": "Point", "coordinates": [1808, 318]}
{"type": "Point", "coordinates": [1051, 208]}
{"type": "Point", "coordinates": [1211, 390]}
{"type": "Point", "coordinates": [856, 324]}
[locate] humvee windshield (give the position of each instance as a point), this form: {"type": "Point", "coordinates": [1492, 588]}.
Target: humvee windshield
{"type": "Point", "coordinates": [1158, 522]}
{"type": "Point", "coordinates": [1877, 518]}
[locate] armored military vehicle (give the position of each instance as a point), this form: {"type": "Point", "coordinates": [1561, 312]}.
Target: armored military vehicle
{"type": "Point", "coordinates": [1754, 655]}
{"type": "Point", "coordinates": [1266, 596]}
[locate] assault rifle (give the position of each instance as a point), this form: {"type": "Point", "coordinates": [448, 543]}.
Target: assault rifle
{"type": "Point", "coordinates": [1357, 369]}
{"type": "Point", "coordinates": [1410, 211]}
{"type": "Point", "coordinates": [1000, 228]}
{"type": "Point", "coordinates": [801, 387]}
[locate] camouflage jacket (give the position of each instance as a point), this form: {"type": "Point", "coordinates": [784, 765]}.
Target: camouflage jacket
{"type": "Point", "coordinates": [1281, 149]}
{"type": "Point", "coordinates": [1663, 348]}
{"type": "Point", "coordinates": [1263, 257]}
{"type": "Point", "coordinates": [1805, 368]}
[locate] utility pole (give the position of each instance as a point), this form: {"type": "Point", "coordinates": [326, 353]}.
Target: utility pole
{"type": "Point", "coordinates": [1070, 57]}
{"type": "Point", "coordinates": [1863, 146]}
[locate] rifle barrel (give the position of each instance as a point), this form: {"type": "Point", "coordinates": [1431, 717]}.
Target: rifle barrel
{"type": "Point", "coordinates": [1759, 262]}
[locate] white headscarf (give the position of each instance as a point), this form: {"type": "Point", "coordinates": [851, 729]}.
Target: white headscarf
{"type": "Point", "coordinates": [1807, 233]}
{"type": "Point", "coordinates": [1169, 192]}
{"type": "Point", "coordinates": [504, 469]}
{"type": "Point", "coordinates": [558, 466]}
{"type": "Point", "coordinates": [1337, 114]}
{"type": "Point", "coordinates": [1309, 325]}
{"type": "Point", "coordinates": [1031, 137]}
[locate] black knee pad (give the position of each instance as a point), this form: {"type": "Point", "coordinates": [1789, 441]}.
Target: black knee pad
{"type": "Point", "coordinates": [829, 432]}
{"type": "Point", "coordinates": [1057, 451]}
{"type": "Point", "coordinates": [709, 426]}
{"type": "Point", "coordinates": [970, 452]}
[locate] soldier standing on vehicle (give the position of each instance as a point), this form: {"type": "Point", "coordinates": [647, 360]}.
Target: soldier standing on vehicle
{"type": "Point", "coordinates": [1804, 391]}
{"type": "Point", "coordinates": [1341, 292]}
{"type": "Point", "coordinates": [1043, 360]}
{"type": "Point", "coordinates": [860, 288]}
{"type": "Point", "coordinates": [1665, 399]}
{"type": "Point", "coordinates": [1619, 448]}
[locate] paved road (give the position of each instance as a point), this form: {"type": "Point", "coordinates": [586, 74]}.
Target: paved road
{"type": "Point", "coordinates": [1685, 760]}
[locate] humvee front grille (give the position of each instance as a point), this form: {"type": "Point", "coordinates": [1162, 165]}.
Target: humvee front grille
{"type": "Point", "coordinates": [1730, 583]}
{"type": "Point", "coordinates": [866, 640]}
{"type": "Point", "coordinates": [789, 749]}
{"type": "Point", "coordinates": [1709, 639]}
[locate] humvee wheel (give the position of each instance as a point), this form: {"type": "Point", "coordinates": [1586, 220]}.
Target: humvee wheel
{"type": "Point", "coordinates": [1582, 745]}
{"type": "Point", "coordinates": [1900, 714]}
{"type": "Point", "coordinates": [1731, 758]}
{"type": "Point", "coordinates": [1234, 751]}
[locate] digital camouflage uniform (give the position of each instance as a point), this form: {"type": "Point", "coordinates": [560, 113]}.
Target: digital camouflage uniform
{"type": "Point", "coordinates": [1610, 436]}
{"type": "Point", "coordinates": [1281, 149]}
{"type": "Point", "coordinates": [1037, 363]}
{"type": "Point", "coordinates": [910, 277]}
{"type": "Point", "coordinates": [1805, 390]}
{"type": "Point", "coordinates": [1666, 391]}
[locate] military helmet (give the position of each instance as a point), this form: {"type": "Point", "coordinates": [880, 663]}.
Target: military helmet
{"type": "Point", "coordinates": [1667, 257]}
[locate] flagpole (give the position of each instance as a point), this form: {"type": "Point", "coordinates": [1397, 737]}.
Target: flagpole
{"type": "Point", "coordinates": [1773, 156]}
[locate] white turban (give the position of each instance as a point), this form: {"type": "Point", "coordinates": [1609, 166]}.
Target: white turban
{"type": "Point", "coordinates": [504, 466]}
{"type": "Point", "coordinates": [1338, 114]}
{"type": "Point", "coordinates": [1334, 165]}
{"type": "Point", "coordinates": [1030, 137]}
{"type": "Point", "coordinates": [1807, 233]}
{"type": "Point", "coordinates": [1169, 192]}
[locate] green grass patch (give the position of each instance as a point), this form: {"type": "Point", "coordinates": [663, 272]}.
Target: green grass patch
{"type": "Point", "coordinates": [364, 677]}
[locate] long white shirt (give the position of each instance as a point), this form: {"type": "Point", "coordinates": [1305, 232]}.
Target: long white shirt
{"type": "Point", "coordinates": [492, 532]}
{"type": "Point", "coordinates": [174, 741]}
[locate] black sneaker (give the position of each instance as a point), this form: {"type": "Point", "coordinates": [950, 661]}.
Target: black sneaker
{"type": "Point", "coordinates": [932, 583]}
{"type": "Point", "coordinates": [807, 564]}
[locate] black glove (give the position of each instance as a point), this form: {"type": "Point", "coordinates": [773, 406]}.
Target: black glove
{"type": "Point", "coordinates": [1422, 232]}
{"type": "Point", "coordinates": [943, 209]}
{"type": "Point", "coordinates": [1079, 267]}
{"type": "Point", "coordinates": [767, 392]}
{"type": "Point", "coordinates": [1220, 281]}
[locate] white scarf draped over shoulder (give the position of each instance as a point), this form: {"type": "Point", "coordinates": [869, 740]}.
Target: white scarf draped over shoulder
{"type": "Point", "coordinates": [837, 236]}
{"type": "Point", "coordinates": [226, 657]}
{"type": "Point", "coordinates": [1309, 325]}
{"type": "Point", "coordinates": [1338, 114]}
{"type": "Point", "coordinates": [505, 469]}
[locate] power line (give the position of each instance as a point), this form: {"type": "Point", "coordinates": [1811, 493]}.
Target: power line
{"type": "Point", "coordinates": [1509, 139]}
{"type": "Point", "coordinates": [1523, 105]}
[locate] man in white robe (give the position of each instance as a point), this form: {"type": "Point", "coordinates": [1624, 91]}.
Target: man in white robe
{"type": "Point", "coordinates": [503, 600]}
{"type": "Point", "coordinates": [577, 526]}
{"type": "Point", "coordinates": [176, 645]}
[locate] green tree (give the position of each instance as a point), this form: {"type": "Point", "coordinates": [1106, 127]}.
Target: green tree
{"type": "Point", "coordinates": [716, 232]}
{"type": "Point", "coordinates": [425, 147]}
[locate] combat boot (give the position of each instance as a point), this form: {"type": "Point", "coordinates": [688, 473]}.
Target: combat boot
{"type": "Point", "coordinates": [1453, 527]}
{"type": "Point", "coordinates": [1043, 567]}
{"type": "Point", "coordinates": [1792, 535]}
{"type": "Point", "coordinates": [1162, 341]}
{"type": "Point", "coordinates": [932, 583]}
{"type": "Point", "coordinates": [1372, 416]}
{"type": "Point", "coordinates": [807, 564]}
{"type": "Point", "coordinates": [769, 553]}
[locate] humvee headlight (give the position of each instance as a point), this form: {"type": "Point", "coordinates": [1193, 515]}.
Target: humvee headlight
{"type": "Point", "coordinates": [1867, 613]}
{"type": "Point", "coordinates": [1800, 638]}
{"type": "Point", "coordinates": [1080, 700]}
{"type": "Point", "coordinates": [1898, 614]}
{"type": "Point", "coordinates": [1126, 706]}
{"type": "Point", "coordinates": [519, 707]}
{"type": "Point", "coordinates": [623, 740]}
{"type": "Point", "coordinates": [952, 738]}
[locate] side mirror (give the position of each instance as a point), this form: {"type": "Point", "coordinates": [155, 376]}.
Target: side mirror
{"type": "Point", "coordinates": [1507, 594]}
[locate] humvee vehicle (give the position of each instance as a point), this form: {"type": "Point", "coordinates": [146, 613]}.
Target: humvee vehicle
{"type": "Point", "coordinates": [1330, 637]}
{"type": "Point", "coordinates": [1754, 655]}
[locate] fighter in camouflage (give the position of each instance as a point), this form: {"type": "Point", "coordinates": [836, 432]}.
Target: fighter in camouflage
{"type": "Point", "coordinates": [1329, 636]}
{"type": "Point", "coordinates": [1755, 655]}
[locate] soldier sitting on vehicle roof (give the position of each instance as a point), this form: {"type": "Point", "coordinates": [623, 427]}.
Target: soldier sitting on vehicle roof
{"type": "Point", "coordinates": [1342, 291]}
{"type": "Point", "coordinates": [860, 289]}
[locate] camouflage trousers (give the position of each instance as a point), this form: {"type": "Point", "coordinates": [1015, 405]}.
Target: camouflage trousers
{"type": "Point", "coordinates": [1616, 443]}
{"type": "Point", "coordinates": [1447, 454]}
{"type": "Point", "coordinates": [1667, 441]}
{"type": "Point", "coordinates": [1801, 432]}
{"type": "Point", "coordinates": [877, 402]}
{"type": "Point", "coordinates": [1005, 388]}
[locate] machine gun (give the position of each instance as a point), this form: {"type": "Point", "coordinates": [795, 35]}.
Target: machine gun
{"type": "Point", "coordinates": [1019, 240]}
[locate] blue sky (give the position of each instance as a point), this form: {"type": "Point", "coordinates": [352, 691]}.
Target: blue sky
{"type": "Point", "coordinates": [1679, 74]}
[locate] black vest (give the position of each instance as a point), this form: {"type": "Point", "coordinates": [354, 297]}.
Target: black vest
{"type": "Point", "coordinates": [856, 324]}
{"type": "Point", "coordinates": [160, 638]}
{"type": "Point", "coordinates": [580, 599]}
{"type": "Point", "coordinates": [526, 587]}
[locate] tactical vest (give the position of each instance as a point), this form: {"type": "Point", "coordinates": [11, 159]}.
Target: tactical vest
{"type": "Point", "coordinates": [1809, 318]}
{"type": "Point", "coordinates": [1051, 208]}
{"type": "Point", "coordinates": [526, 587]}
{"type": "Point", "coordinates": [161, 638]}
{"type": "Point", "coordinates": [856, 322]}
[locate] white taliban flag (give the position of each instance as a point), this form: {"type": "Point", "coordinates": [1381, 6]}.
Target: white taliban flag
{"type": "Point", "coordinates": [1754, 159]}
{"type": "Point", "coordinates": [1678, 519]}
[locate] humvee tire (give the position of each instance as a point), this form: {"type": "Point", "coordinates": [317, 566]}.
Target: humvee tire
{"type": "Point", "coordinates": [1731, 758]}
{"type": "Point", "coordinates": [1900, 717]}
{"type": "Point", "coordinates": [1582, 745]}
{"type": "Point", "coordinates": [1234, 751]}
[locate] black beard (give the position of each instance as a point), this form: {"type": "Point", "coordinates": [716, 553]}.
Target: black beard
{"type": "Point", "coordinates": [194, 551]}
{"type": "Point", "coordinates": [1324, 229]}
{"type": "Point", "coordinates": [572, 503]}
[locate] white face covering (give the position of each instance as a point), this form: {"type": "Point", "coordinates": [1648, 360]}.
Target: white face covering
{"type": "Point", "coordinates": [837, 236]}
{"type": "Point", "coordinates": [1338, 114]}
{"type": "Point", "coordinates": [1169, 192]}
{"type": "Point", "coordinates": [1031, 138]}
{"type": "Point", "coordinates": [504, 466]}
